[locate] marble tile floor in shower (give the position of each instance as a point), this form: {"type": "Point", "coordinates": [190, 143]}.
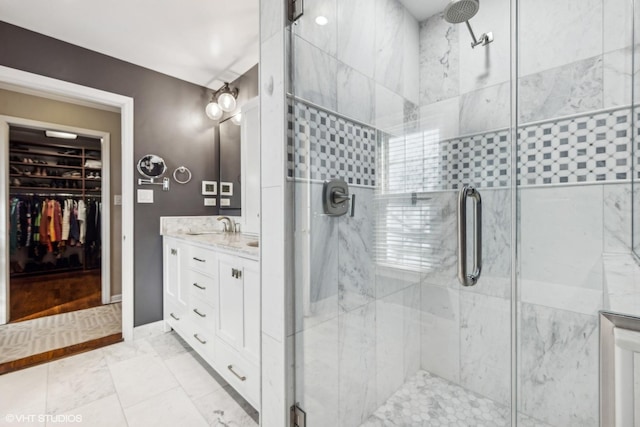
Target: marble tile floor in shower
{"type": "Point", "coordinates": [23, 339]}
{"type": "Point", "coordinates": [427, 400]}
{"type": "Point", "coordinates": [153, 381]}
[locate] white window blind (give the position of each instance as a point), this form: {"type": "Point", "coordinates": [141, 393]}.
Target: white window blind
{"type": "Point", "coordinates": [407, 235]}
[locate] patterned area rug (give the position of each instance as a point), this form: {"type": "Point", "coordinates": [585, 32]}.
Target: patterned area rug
{"type": "Point", "coordinates": [23, 339]}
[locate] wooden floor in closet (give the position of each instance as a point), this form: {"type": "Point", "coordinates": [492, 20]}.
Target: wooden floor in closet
{"type": "Point", "coordinates": [43, 295]}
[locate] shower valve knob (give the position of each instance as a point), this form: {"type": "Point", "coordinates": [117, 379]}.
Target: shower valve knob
{"type": "Point", "coordinates": [336, 198]}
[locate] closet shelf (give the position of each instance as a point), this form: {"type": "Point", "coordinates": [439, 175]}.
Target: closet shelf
{"type": "Point", "coordinates": [26, 154]}
{"type": "Point", "coordinates": [70, 178]}
{"type": "Point", "coordinates": [52, 189]}
{"type": "Point", "coordinates": [40, 165]}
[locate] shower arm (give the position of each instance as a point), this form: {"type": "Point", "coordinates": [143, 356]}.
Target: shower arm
{"type": "Point", "coordinates": [473, 36]}
{"type": "Point", "coordinates": [485, 39]}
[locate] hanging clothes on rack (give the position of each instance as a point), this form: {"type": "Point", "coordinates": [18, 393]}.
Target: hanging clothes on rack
{"type": "Point", "coordinates": [48, 228]}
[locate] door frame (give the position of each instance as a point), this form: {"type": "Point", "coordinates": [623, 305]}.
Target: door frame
{"type": "Point", "coordinates": [47, 87]}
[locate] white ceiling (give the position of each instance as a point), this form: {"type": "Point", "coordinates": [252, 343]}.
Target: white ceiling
{"type": "Point", "coordinates": [423, 9]}
{"type": "Point", "coordinates": [206, 42]}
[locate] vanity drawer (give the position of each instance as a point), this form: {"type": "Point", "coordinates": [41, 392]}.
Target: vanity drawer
{"type": "Point", "coordinates": [175, 315]}
{"type": "Point", "coordinates": [241, 374]}
{"type": "Point", "coordinates": [202, 340]}
{"type": "Point", "coordinates": [201, 259]}
{"type": "Point", "coordinates": [200, 286]}
{"type": "Point", "coordinates": [202, 315]}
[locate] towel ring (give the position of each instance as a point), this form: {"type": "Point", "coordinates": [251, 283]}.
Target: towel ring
{"type": "Point", "coordinates": [182, 169]}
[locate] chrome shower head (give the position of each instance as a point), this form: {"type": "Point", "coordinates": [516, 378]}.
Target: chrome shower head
{"type": "Point", "coordinates": [458, 11]}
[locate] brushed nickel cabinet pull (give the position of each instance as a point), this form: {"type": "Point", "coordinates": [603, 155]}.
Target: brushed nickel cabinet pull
{"type": "Point", "coordinates": [199, 260]}
{"type": "Point", "coordinates": [174, 251]}
{"type": "Point", "coordinates": [195, 310]}
{"type": "Point", "coordinates": [174, 316]}
{"type": "Point", "coordinates": [199, 287]}
{"type": "Point", "coordinates": [198, 338]}
{"type": "Point", "coordinates": [241, 378]}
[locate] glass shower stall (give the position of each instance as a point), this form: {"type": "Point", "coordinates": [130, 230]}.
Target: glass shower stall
{"type": "Point", "coordinates": [463, 193]}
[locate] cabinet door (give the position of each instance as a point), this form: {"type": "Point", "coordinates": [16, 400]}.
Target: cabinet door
{"type": "Point", "coordinates": [174, 295]}
{"type": "Point", "coordinates": [230, 301]}
{"type": "Point", "coordinates": [251, 276]}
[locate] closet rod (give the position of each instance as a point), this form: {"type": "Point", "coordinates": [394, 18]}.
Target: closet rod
{"type": "Point", "coordinates": [56, 195]}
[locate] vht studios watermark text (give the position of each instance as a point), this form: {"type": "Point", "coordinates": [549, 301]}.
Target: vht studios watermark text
{"type": "Point", "coordinates": [41, 418]}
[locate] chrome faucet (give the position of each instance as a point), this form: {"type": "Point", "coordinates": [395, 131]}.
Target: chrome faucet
{"type": "Point", "coordinates": [228, 226]}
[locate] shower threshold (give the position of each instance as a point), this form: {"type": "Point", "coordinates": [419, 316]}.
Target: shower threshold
{"type": "Point", "coordinates": [428, 400]}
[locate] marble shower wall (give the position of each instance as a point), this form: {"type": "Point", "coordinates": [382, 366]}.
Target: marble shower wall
{"type": "Point", "coordinates": [472, 84]}
{"type": "Point", "coordinates": [363, 64]}
{"type": "Point", "coordinates": [575, 56]}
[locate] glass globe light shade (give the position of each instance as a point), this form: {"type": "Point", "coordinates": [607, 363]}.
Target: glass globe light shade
{"type": "Point", "coordinates": [227, 101]}
{"type": "Point", "coordinates": [213, 110]}
{"type": "Point", "coordinates": [237, 119]}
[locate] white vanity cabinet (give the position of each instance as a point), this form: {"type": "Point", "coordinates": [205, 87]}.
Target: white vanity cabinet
{"type": "Point", "coordinates": [212, 300]}
{"type": "Point", "coordinates": [238, 323]}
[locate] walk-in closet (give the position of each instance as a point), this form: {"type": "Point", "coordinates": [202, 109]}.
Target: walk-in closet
{"type": "Point", "coordinates": [55, 208]}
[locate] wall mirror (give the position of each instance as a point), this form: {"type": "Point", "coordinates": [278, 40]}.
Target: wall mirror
{"type": "Point", "coordinates": [151, 166]}
{"type": "Point", "coordinates": [230, 166]}
{"type": "Point", "coordinates": [239, 179]}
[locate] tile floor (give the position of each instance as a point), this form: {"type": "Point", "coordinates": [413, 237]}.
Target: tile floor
{"type": "Point", "coordinates": [156, 381]}
{"type": "Point", "coordinates": [23, 339]}
{"type": "Point", "coordinates": [427, 400]}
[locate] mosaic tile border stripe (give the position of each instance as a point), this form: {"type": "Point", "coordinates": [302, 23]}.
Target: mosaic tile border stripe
{"type": "Point", "coordinates": [328, 146]}
{"type": "Point", "coordinates": [588, 148]}
{"type": "Point", "coordinates": [593, 147]}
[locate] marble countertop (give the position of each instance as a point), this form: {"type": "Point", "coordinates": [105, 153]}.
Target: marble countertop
{"type": "Point", "coordinates": [230, 242]}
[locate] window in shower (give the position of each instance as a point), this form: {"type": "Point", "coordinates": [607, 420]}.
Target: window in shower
{"type": "Point", "coordinates": [407, 229]}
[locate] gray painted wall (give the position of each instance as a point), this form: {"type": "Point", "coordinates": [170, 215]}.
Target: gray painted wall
{"type": "Point", "coordinates": [169, 121]}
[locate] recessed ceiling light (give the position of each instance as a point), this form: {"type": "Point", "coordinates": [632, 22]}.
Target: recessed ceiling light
{"type": "Point", "coordinates": [57, 134]}
{"type": "Point", "coordinates": [322, 20]}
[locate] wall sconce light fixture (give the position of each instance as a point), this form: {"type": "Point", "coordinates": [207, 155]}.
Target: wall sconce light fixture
{"type": "Point", "coordinates": [223, 100]}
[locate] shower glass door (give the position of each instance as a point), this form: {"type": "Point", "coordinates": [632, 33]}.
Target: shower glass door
{"type": "Point", "coordinates": [393, 99]}
{"type": "Point", "coordinates": [575, 150]}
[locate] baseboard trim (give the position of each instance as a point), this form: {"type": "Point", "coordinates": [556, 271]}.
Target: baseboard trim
{"type": "Point", "coordinates": [116, 298]}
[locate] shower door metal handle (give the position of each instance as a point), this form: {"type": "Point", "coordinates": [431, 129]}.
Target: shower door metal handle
{"type": "Point", "coordinates": [469, 279]}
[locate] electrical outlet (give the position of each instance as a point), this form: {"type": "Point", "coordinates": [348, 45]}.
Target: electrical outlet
{"type": "Point", "coordinates": [117, 200]}
{"type": "Point", "coordinates": [209, 201]}
{"type": "Point", "coordinates": [225, 202]}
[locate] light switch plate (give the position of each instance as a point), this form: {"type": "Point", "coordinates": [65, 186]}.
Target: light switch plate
{"type": "Point", "coordinates": [225, 202]}
{"type": "Point", "coordinates": [145, 196]}
{"type": "Point", "coordinates": [209, 201]}
{"type": "Point", "coordinates": [117, 200]}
